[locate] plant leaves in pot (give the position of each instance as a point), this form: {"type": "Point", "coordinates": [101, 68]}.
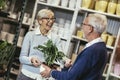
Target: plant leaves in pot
{"type": "Point", "coordinates": [5, 55]}
{"type": "Point", "coordinates": [51, 53]}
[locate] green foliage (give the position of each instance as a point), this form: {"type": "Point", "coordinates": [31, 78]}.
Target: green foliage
{"type": "Point", "coordinates": [5, 53]}
{"type": "Point", "coordinates": [2, 3]}
{"type": "Point", "coordinates": [51, 52]}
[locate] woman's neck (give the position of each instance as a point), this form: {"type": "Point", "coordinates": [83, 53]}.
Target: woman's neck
{"type": "Point", "coordinates": [43, 31]}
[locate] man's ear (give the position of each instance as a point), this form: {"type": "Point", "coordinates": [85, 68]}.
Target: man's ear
{"type": "Point", "coordinates": [91, 29]}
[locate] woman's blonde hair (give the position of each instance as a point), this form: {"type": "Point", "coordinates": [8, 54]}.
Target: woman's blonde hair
{"type": "Point", "coordinates": [44, 13]}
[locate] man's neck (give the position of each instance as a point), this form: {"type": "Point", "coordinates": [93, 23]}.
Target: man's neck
{"type": "Point", "coordinates": [92, 37]}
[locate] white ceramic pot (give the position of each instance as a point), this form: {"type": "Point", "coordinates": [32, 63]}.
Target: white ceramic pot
{"type": "Point", "coordinates": [64, 3]}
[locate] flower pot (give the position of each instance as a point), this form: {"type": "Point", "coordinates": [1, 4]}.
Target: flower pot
{"type": "Point", "coordinates": [101, 5]}
{"type": "Point", "coordinates": [112, 6]}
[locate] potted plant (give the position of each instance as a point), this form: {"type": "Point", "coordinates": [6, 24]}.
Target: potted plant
{"type": "Point", "coordinates": [51, 53]}
{"type": "Point", "coordinates": [5, 55]}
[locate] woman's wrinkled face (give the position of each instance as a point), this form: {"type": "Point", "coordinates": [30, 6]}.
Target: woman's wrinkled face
{"type": "Point", "coordinates": [47, 22]}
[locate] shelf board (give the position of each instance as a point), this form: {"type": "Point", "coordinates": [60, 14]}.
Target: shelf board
{"type": "Point", "coordinates": [61, 7]}
{"type": "Point", "coordinates": [109, 47]}
{"type": "Point", "coordinates": [3, 14]}
{"type": "Point", "coordinates": [14, 21]}
{"type": "Point", "coordinates": [26, 24]}
{"type": "Point", "coordinates": [14, 71]}
{"type": "Point", "coordinates": [11, 21]}
{"type": "Point", "coordinates": [79, 38]}
{"type": "Point", "coordinates": [107, 14]}
{"type": "Point", "coordinates": [114, 75]}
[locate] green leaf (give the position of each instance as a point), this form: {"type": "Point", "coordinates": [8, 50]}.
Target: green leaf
{"type": "Point", "coordinates": [5, 53]}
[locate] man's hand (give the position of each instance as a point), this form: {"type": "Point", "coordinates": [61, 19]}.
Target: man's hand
{"type": "Point", "coordinates": [35, 61]}
{"type": "Point", "coordinates": [68, 63]}
{"type": "Point", "coordinates": [46, 72]}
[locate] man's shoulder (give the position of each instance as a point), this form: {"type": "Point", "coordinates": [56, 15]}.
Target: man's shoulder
{"type": "Point", "coordinates": [100, 46]}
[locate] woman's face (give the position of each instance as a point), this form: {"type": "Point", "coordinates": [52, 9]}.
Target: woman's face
{"type": "Point", "coordinates": [47, 22]}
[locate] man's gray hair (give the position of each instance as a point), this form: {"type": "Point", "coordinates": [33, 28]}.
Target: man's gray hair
{"type": "Point", "coordinates": [44, 13]}
{"type": "Point", "coordinates": [98, 21]}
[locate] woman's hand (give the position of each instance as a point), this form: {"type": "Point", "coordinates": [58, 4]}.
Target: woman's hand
{"type": "Point", "coordinates": [35, 61]}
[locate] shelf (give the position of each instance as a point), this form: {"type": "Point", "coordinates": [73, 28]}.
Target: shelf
{"type": "Point", "coordinates": [114, 75]}
{"type": "Point", "coordinates": [3, 14]}
{"type": "Point", "coordinates": [14, 21]}
{"type": "Point", "coordinates": [26, 24]}
{"type": "Point", "coordinates": [109, 47]}
{"type": "Point", "coordinates": [79, 38]}
{"type": "Point", "coordinates": [11, 21]}
{"type": "Point", "coordinates": [60, 7]}
{"type": "Point", "coordinates": [14, 71]}
{"type": "Point", "coordinates": [107, 14]}
{"type": "Point", "coordinates": [75, 37]}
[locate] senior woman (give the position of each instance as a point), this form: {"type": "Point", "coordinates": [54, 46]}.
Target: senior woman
{"type": "Point", "coordinates": [31, 58]}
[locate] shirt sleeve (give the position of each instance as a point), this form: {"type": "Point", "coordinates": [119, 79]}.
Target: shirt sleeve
{"type": "Point", "coordinates": [75, 71]}
{"type": "Point", "coordinates": [24, 55]}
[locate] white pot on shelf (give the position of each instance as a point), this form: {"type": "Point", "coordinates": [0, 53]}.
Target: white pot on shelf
{"type": "Point", "coordinates": [55, 2]}
{"type": "Point", "coordinates": [64, 3]}
{"type": "Point", "coordinates": [72, 4]}
{"type": "Point", "coordinates": [49, 1]}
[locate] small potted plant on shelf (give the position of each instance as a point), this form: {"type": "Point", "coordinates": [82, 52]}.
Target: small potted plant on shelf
{"type": "Point", "coordinates": [51, 53]}
{"type": "Point", "coordinates": [5, 55]}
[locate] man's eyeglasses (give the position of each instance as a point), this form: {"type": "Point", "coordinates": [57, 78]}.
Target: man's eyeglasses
{"type": "Point", "coordinates": [86, 24]}
{"type": "Point", "coordinates": [48, 19]}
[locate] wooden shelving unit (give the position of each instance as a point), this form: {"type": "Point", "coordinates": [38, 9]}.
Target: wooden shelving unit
{"type": "Point", "coordinates": [75, 14]}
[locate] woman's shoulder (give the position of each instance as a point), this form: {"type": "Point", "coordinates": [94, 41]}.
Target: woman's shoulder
{"type": "Point", "coordinates": [30, 32]}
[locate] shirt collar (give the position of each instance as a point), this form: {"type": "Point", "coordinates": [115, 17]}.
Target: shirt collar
{"type": "Point", "coordinates": [93, 42]}
{"type": "Point", "coordinates": [37, 32]}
